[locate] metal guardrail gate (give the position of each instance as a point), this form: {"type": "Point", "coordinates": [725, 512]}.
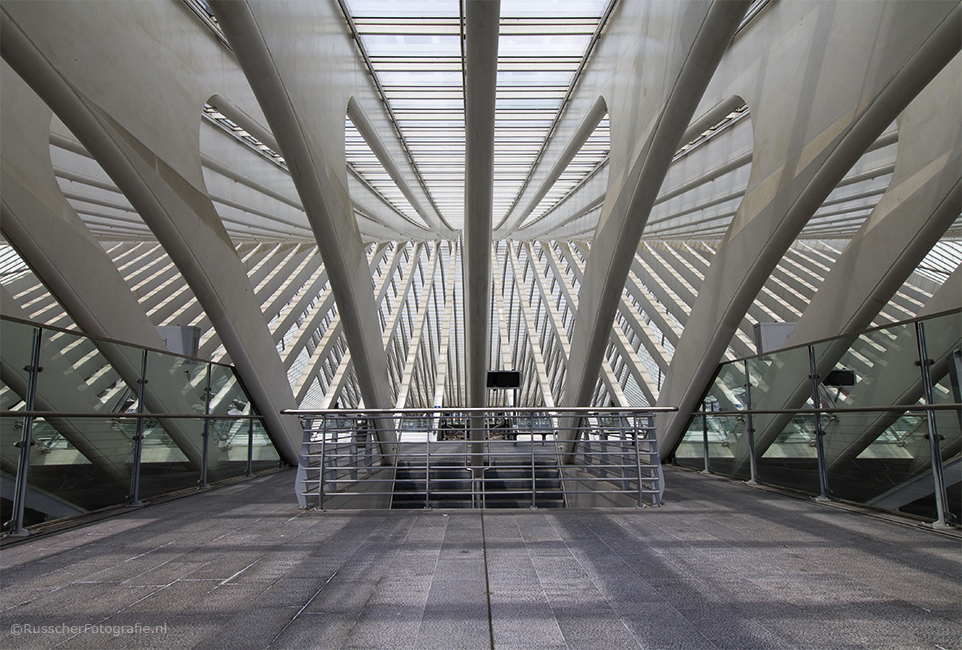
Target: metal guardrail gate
{"type": "Point", "coordinates": [478, 458]}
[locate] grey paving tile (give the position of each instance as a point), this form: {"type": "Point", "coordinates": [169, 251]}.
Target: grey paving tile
{"type": "Point", "coordinates": [720, 566]}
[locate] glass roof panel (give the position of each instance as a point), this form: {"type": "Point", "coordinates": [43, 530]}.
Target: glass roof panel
{"type": "Point", "coordinates": [415, 53]}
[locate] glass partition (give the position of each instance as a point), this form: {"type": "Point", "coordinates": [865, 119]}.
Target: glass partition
{"type": "Point", "coordinates": [164, 468]}
{"type": "Point", "coordinates": [691, 450]}
{"type": "Point", "coordinates": [785, 443]}
{"type": "Point", "coordinates": [728, 434]}
{"type": "Point", "coordinates": [85, 454]}
{"type": "Point", "coordinates": [871, 416]}
{"type": "Point", "coordinates": [82, 463]}
{"type": "Point", "coordinates": [81, 375]}
{"type": "Point", "coordinates": [15, 347]}
{"type": "Point", "coordinates": [875, 458]}
{"type": "Point", "coordinates": [261, 451]}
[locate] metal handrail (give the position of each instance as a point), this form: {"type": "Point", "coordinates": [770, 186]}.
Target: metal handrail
{"type": "Point", "coordinates": [114, 416]}
{"type": "Point", "coordinates": [907, 408]}
{"type": "Point", "coordinates": [493, 411]}
{"type": "Point", "coordinates": [341, 457]}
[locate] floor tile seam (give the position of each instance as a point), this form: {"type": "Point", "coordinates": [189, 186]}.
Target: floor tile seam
{"type": "Point", "coordinates": [68, 565]}
{"type": "Point", "coordinates": [434, 573]}
{"type": "Point", "coordinates": [896, 598]}
{"type": "Point", "coordinates": [86, 580]}
{"type": "Point", "coordinates": [749, 611]}
{"type": "Point", "coordinates": [500, 555]}
{"type": "Point", "coordinates": [551, 521]}
{"type": "Point", "coordinates": [821, 510]}
{"type": "Point", "coordinates": [125, 608]}
{"type": "Point", "coordinates": [374, 590]}
{"type": "Point", "coordinates": [340, 562]}
{"type": "Point", "coordinates": [300, 610]}
{"type": "Point", "coordinates": [130, 559]}
{"type": "Point", "coordinates": [689, 577]}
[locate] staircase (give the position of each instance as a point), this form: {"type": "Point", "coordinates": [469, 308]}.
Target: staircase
{"type": "Point", "coordinates": [506, 484]}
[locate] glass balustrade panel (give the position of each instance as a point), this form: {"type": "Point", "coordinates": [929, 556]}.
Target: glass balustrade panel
{"type": "Point", "coordinates": [784, 443]}
{"type": "Point", "coordinates": [16, 341]}
{"type": "Point", "coordinates": [82, 375]}
{"type": "Point", "coordinates": [77, 465]}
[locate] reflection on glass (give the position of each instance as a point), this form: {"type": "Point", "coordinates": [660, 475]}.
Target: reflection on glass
{"type": "Point", "coordinates": [164, 467]}
{"type": "Point", "coordinates": [84, 376]}
{"type": "Point", "coordinates": [880, 458]}
{"type": "Point", "coordinates": [262, 452]}
{"type": "Point", "coordinates": [728, 389]}
{"type": "Point", "coordinates": [790, 460]}
{"type": "Point", "coordinates": [78, 464]}
{"type": "Point", "coordinates": [728, 445]}
{"type": "Point", "coordinates": [877, 368]}
{"type": "Point", "coordinates": [83, 462]}
{"type": "Point", "coordinates": [690, 451]}
{"type": "Point", "coordinates": [950, 444]}
{"type": "Point", "coordinates": [889, 467]}
{"type": "Point", "coordinates": [220, 464]}
{"type": "Point", "coordinates": [15, 345]}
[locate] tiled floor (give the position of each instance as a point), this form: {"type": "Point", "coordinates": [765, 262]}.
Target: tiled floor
{"type": "Point", "coordinates": [721, 565]}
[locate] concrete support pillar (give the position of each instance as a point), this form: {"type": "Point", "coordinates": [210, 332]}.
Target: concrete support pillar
{"type": "Point", "coordinates": [794, 170]}
{"type": "Point", "coordinates": [161, 176]}
{"type": "Point", "coordinates": [39, 222]}
{"type": "Point", "coordinates": [481, 28]}
{"type": "Point", "coordinates": [684, 70]}
{"type": "Point", "coordinates": [308, 126]}
{"type": "Point", "coordinates": [447, 323]}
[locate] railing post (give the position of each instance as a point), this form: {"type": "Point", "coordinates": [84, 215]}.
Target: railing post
{"type": "Point", "coordinates": [819, 442]}
{"type": "Point", "coordinates": [134, 499]}
{"type": "Point", "coordinates": [320, 482]}
{"type": "Point", "coordinates": [634, 430]}
{"type": "Point", "coordinates": [750, 426]}
{"type": "Point", "coordinates": [26, 439]}
{"type": "Point", "coordinates": [427, 469]}
{"type": "Point", "coordinates": [934, 447]}
{"type": "Point", "coordinates": [206, 435]}
{"type": "Point", "coordinates": [534, 481]}
{"type": "Point", "coordinates": [704, 433]}
{"type": "Point", "coordinates": [250, 446]}
{"type": "Point", "coordinates": [654, 459]}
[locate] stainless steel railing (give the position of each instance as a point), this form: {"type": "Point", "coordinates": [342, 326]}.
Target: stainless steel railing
{"type": "Point", "coordinates": [479, 458]}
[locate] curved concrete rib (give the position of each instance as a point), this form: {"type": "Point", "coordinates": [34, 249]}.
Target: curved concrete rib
{"type": "Point", "coordinates": [181, 217]}
{"type": "Point", "coordinates": [368, 131]}
{"type": "Point", "coordinates": [795, 175]}
{"type": "Point", "coordinates": [632, 193]}
{"type": "Point", "coordinates": [583, 131]}
{"type": "Point", "coordinates": [49, 235]}
{"type": "Point", "coordinates": [923, 199]}
{"type": "Point", "coordinates": [321, 183]}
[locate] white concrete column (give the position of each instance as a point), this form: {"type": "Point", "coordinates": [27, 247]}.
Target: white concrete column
{"type": "Point", "coordinates": [481, 30]}
{"type": "Point", "coordinates": [447, 323]}
{"type": "Point", "coordinates": [675, 76]}
{"type": "Point", "coordinates": [153, 158]}
{"type": "Point", "coordinates": [853, 79]}
{"type": "Point", "coordinates": [40, 223]}
{"type": "Point", "coordinates": [307, 119]}
{"type": "Point", "coordinates": [417, 331]}
{"type": "Point", "coordinates": [924, 198]}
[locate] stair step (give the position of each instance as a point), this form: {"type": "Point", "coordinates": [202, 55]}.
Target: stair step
{"type": "Point", "coordinates": [507, 484]}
